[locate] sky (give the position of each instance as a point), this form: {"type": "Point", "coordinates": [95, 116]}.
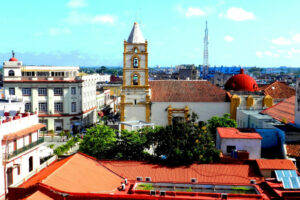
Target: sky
{"type": "Point", "coordinates": [263, 33]}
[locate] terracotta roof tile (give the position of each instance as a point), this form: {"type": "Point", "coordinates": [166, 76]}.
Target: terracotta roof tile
{"type": "Point", "coordinates": [23, 132]}
{"type": "Point", "coordinates": [278, 90]}
{"type": "Point", "coordinates": [275, 164]}
{"type": "Point", "coordinates": [284, 110]}
{"type": "Point", "coordinates": [38, 196]}
{"type": "Point", "coordinates": [236, 134]}
{"type": "Point", "coordinates": [186, 91]}
{"type": "Point", "coordinates": [205, 173]}
{"type": "Point", "coordinates": [293, 150]}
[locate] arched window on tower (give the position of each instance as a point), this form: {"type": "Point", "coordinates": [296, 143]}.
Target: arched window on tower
{"type": "Point", "coordinates": [135, 80]}
{"type": "Point", "coordinates": [135, 63]}
{"type": "Point", "coordinates": [135, 50]}
{"type": "Point", "coordinates": [11, 73]}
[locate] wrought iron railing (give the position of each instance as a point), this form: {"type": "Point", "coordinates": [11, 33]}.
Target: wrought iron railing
{"type": "Point", "coordinates": [25, 148]}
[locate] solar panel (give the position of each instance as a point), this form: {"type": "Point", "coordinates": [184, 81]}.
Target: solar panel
{"type": "Point", "coordinates": [295, 182]}
{"type": "Point", "coordinates": [286, 181]}
{"type": "Point", "coordinates": [285, 173]}
{"type": "Point", "coordinates": [294, 173]}
{"type": "Point", "coordinates": [279, 175]}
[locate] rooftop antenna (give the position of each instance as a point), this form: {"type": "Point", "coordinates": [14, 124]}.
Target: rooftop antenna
{"type": "Point", "coordinates": [205, 53]}
{"type": "Point", "coordinates": [13, 53]}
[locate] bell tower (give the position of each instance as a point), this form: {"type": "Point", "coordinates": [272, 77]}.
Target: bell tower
{"type": "Point", "coordinates": [135, 96]}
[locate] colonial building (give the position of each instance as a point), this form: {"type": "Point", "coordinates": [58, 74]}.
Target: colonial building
{"type": "Point", "coordinates": [160, 101]}
{"type": "Point", "coordinates": [60, 95]}
{"type": "Point", "coordinates": [19, 152]}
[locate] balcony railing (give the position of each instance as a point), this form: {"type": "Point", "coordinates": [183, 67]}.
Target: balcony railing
{"type": "Point", "coordinates": [25, 148]}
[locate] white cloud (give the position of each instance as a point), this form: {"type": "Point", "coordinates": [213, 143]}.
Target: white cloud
{"type": "Point", "coordinates": [190, 11]}
{"type": "Point", "coordinates": [58, 31]}
{"type": "Point", "coordinates": [295, 50]}
{"type": "Point", "coordinates": [269, 53]}
{"type": "Point", "coordinates": [193, 11]}
{"type": "Point", "coordinates": [77, 4]}
{"type": "Point", "coordinates": [82, 18]}
{"type": "Point", "coordinates": [259, 54]}
{"type": "Point", "coordinates": [296, 38]}
{"type": "Point", "coordinates": [228, 38]}
{"type": "Point", "coordinates": [239, 14]}
{"type": "Point", "coordinates": [281, 41]}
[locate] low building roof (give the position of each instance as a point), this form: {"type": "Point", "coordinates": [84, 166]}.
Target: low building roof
{"type": "Point", "coordinates": [23, 132]}
{"type": "Point", "coordinates": [204, 173]}
{"type": "Point", "coordinates": [282, 111]}
{"type": "Point", "coordinates": [186, 91]}
{"type": "Point", "coordinates": [38, 195]}
{"type": "Point", "coordinates": [293, 150]}
{"type": "Point", "coordinates": [79, 173]}
{"type": "Point", "coordinates": [233, 133]}
{"type": "Point", "coordinates": [278, 90]}
{"type": "Point", "coordinates": [275, 164]}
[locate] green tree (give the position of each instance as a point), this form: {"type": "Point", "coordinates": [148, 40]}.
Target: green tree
{"type": "Point", "coordinates": [131, 145]}
{"type": "Point", "coordinates": [216, 122]}
{"type": "Point", "coordinates": [185, 143]}
{"type": "Point", "coordinates": [99, 142]}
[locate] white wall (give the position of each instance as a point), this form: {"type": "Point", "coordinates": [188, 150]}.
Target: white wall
{"type": "Point", "coordinates": [204, 110]}
{"type": "Point", "coordinates": [253, 146]}
{"type": "Point", "coordinates": [135, 113]}
{"type": "Point", "coordinates": [297, 103]}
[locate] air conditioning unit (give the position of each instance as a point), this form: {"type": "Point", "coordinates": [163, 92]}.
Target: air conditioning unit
{"type": "Point", "coordinates": [193, 180]}
{"type": "Point", "coordinates": [224, 196]}
{"type": "Point", "coordinates": [152, 192]}
{"type": "Point", "coordinates": [162, 193]}
{"type": "Point", "coordinates": [148, 179]}
{"type": "Point", "coordinates": [139, 178]}
{"type": "Point", "coordinates": [125, 181]}
{"type": "Point", "coordinates": [123, 186]}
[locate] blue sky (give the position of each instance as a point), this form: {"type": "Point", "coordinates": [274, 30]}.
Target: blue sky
{"type": "Point", "coordinates": [91, 32]}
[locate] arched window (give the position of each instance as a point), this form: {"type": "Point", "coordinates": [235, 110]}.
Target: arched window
{"type": "Point", "coordinates": [135, 50]}
{"type": "Point", "coordinates": [11, 73]}
{"type": "Point", "coordinates": [30, 164]}
{"type": "Point", "coordinates": [135, 62]}
{"type": "Point", "coordinates": [135, 79]}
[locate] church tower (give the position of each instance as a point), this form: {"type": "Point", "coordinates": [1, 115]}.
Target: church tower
{"type": "Point", "coordinates": [135, 98]}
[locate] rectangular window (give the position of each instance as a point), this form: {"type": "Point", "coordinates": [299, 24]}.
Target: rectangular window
{"type": "Point", "coordinates": [45, 122]}
{"type": "Point", "coordinates": [42, 91]}
{"type": "Point", "coordinates": [11, 91]}
{"type": "Point", "coordinates": [42, 107]}
{"type": "Point", "coordinates": [58, 107]}
{"type": "Point", "coordinates": [58, 91]}
{"type": "Point", "coordinates": [230, 149]}
{"type": "Point", "coordinates": [73, 106]}
{"type": "Point", "coordinates": [28, 107]}
{"type": "Point", "coordinates": [73, 90]}
{"type": "Point", "coordinates": [26, 91]}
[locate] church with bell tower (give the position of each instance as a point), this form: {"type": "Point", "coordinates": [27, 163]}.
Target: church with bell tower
{"type": "Point", "coordinates": [135, 96]}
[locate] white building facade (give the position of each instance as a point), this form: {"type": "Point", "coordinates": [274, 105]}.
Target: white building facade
{"type": "Point", "coordinates": [19, 152]}
{"type": "Point", "coordinates": [60, 95]}
{"type": "Point", "coordinates": [297, 103]}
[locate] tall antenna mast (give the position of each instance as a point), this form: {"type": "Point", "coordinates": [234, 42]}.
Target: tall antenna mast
{"type": "Point", "coordinates": [205, 53]}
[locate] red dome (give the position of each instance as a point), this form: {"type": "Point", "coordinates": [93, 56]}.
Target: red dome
{"type": "Point", "coordinates": [241, 82]}
{"type": "Point", "coordinates": [13, 59]}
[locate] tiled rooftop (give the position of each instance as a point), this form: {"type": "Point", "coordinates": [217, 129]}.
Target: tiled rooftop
{"type": "Point", "coordinates": [278, 90]}
{"type": "Point", "coordinates": [236, 134]}
{"type": "Point", "coordinates": [293, 150]}
{"type": "Point", "coordinates": [275, 164]}
{"type": "Point", "coordinates": [283, 111]}
{"type": "Point", "coordinates": [186, 91]}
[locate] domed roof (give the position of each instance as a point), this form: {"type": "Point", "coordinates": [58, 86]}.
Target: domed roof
{"type": "Point", "coordinates": [13, 59]}
{"type": "Point", "coordinates": [241, 82]}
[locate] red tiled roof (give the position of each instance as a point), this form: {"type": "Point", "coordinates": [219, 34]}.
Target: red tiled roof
{"type": "Point", "coordinates": [284, 110]}
{"type": "Point", "coordinates": [23, 132]}
{"type": "Point", "coordinates": [236, 134]}
{"type": "Point", "coordinates": [293, 150]}
{"type": "Point", "coordinates": [275, 164]}
{"type": "Point", "coordinates": [38, 196]}
{"type": "Point", "coordinates": [278, 90]}
{"type": "Point", "coordinates": [81, 174]}
{"type": "Point", "coordinates": [205, 173]}
{"type": "Point", "coordinates": [186, 91]}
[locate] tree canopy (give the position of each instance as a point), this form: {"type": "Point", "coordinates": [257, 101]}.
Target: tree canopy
{"type": "Point", "coordinates": [216, 121]}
